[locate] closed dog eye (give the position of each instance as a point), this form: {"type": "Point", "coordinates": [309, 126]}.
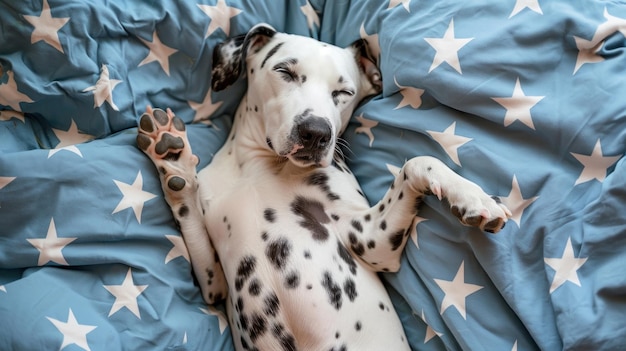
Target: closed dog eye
{"type": "Point", "coordinates": [286, 71]}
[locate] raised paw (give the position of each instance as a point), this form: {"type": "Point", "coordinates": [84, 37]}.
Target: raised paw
{"type": "Point", "coordinates": [163, 137]}
{"type": "Point", "coordinates": [477, 209]}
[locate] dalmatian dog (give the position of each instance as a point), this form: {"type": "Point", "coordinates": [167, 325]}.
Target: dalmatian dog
{"type": "Point", "coordinates": [276, 224]}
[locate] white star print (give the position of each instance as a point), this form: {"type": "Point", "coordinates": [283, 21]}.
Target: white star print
{"type": "Point", "coordinates": [414, 235]}
{"type": "Point", "coordinates": [372, 41]}
{"type": "Point", "coordinates": [410, 96]}
{"type": "Point", "coordinates": [3, 288]}
{"type": "Point", "coordinates": [179, 249]}
{"type": "Point", "coordinates": [450, 142]}
{"type": "Point", "coordinates": [514, 348]}
{"type": "Point", "coordinates": [4, 181]}
{"type": "Point", "coordinates": [103, 90]}
{"type": "Point", "coordinates": [366, 127]}
{"type": "Point", "coordinates": [185, 338]}
{"type": "Point", "coordinates": [46, 27]}
{"type": "Point", "coordinates": [456, 291]}
{"type": "Point", "coordinates": [529, 4]}
{"type": "Point", "coordinates": [430, 332]}
{"type": "Point", "coordinates": [588, 49]}
{"type": "Point", "coordinates": [518, 106]}
{"type": "Point", "coordinates": [587, 52]}
{"type": "Point", "coordinates": [69, 139]}
{"type": "Point", "coordinates": [204, 109]}
{"type": "Point", "coordinates": [126, 295]}
{"type": "Point", "coordinates": [9, 96]}
{"type": "Point", "coordinates": [221, 319]}
{"type": "Point", "coordinates": [516, 202]}
{"type": "Point", "coordinates": [50, 247]}
{"type": "Point", "coordinates": [7, 115]}
{"type": "Point", "coordinates": [447, 49]}
{"type": "Point", "coordinates": [133, 196]}
{"type": "Point", "coordinates": [159, 52]}
{"type": "Point", "coordinates": [595, 165]}
{"type": "Point", "coordinates": [73, 333]}
{"type": "Point", "coordinates": [220, 16]}
{"type": "Point", "coordinates": [311, 16]}
{"type": "Point", "coordinates": [394, 170]}
{"type": "Point", "coordinates": [566, 267]}
{"type": "Point", "coordinates": [405, 4]}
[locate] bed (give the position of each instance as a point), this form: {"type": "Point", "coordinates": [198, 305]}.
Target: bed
{"type": "Point", "coordinates": [527, 98]}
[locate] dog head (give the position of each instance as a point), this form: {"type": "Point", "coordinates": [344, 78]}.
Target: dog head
{"type": "Point", "coordinates": [305, 90]}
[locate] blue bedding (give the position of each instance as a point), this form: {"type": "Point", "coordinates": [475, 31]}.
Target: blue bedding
{"type": "Point", "coordinates": [527, 98]}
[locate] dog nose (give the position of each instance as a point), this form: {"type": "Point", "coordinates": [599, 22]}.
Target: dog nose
{"type": "Point", "coordinates": [314, 133]}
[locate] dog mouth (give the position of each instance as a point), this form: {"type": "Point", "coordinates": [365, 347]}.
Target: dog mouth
{"type": "Point", "coordinates": [305, 157]}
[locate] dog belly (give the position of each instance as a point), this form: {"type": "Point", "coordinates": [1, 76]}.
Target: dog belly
{"type": "Point", "coordinates": [290, 278]}
{"type": "Point", "coordinates": [287, 281]}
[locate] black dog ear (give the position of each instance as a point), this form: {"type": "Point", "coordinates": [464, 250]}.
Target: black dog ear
{"type": "Point", "coordinates": [229, 57]}
{"type": "Point", "coordinates": [367, 63]}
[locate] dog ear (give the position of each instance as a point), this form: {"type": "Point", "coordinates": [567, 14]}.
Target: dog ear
{"type": "Point", "coordinates": [367, 64]}
{"type": "Point", "coordinates": [229, 57]}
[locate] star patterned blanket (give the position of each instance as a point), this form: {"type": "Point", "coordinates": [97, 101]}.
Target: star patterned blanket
{"type": "Point", "coordinates": [527, 98]}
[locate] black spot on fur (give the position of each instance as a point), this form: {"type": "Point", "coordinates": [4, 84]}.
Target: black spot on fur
{"type": "Point", "coordinates": [349, 287]}
{"type": "Point", "coordinates": [334, 217]}
{"type": "Point", "coordinates": [245, 269]}
{"type": "Point", "coordinates": [358, 326]}
{"type": "Point", "coordinates": [356, 246]}
{"type": "Point", "coordinates": [243, 321]}
{"type": "Point", "coordinates": [357, 225]}
{"type": "Point", "coordinates": [255, 287]}
{"type": "Point", "coordinates": [244, 344]}
{"type": "Point", "coordinates": [272, 305]}
{"type": "Point", "coordinates": [183, 211]}
{"type": "Point", "coordinates": [358, 249]}
{"type": "Point", "coordinates": [344, 254]}
{"type": "Point", "coordinates": [333, 290]}
{"type": "Point", "coordinates": [307, 254]}
{"type": "Point", "coordinates": [352, 238]}
{"type": "Point", "coordinates": [239, 305]}
{"type": "Point", "coordinates": [264, 236]}
{"type": "Point", "coordinates": [292, 280]}
{"type": "Point", "coordinates": [270, 215]}
{"type": "Point", "coordinates": [396, 239]}
{"type": "Point", "coordinates": [271, 53]}
{"type": "Point", "coordinates": [258, 326]}
{"type": "Point", "coordinates": [288, 342]}
{"type": "Point", "coordinates": [320, 179]}
{"type": "Point", "coordinates": [278, 252]}
{"type": "Point", "coordinates": [313, 216]}
{"type": "Point", "coordinates": [383, 225]}
{"type": "Point", "coordinates": [371, 244]}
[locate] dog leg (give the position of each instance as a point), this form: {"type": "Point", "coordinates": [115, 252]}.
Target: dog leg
{"type": "Point", "coordinates": [163, 138]}
{"type": "Point", "coordinates": [379, 235]}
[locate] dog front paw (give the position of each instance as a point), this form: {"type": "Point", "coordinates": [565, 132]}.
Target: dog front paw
{"type": "Point", "coordinates": [476, 209]}
{"type": "Point", "coordinates": [163, 137]}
